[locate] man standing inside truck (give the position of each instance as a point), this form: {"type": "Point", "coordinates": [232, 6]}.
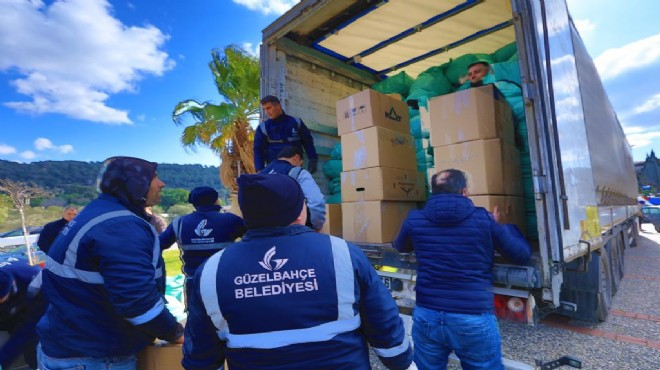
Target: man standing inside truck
{"type": "Point", "coordinates": [286, 297]}
{"type": "Point", "coordinates": [454, 242]}
{"type": "Point", "coordinates": [279, 131]}
{"type": "Point", "coordinates": [104, 278]}
{"type": "Point", "coordinates": [289, 162]}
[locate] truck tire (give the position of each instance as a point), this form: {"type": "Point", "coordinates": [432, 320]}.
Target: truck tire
{"type": "Point", "coordinates": [613, 257]}
{"type": "Point", "coordinates": [657, 228]}
{"type": "Point", "coordinates": [604, 286]}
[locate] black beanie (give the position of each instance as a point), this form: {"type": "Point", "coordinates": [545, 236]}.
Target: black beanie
{"type": "Point", "coordinates": [202, 196]}
{"type": "Point", "coordinates": [269, 200]}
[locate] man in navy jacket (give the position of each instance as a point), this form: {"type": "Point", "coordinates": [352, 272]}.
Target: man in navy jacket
{"type": "Point", "coordinates": [104, 276]}
{"type": "Point", "coordinates": [279, 131]}
{"type": "Point", "coordinates": [202, 233]}
{"type": "Point", "coordinates": [21, 306]}
{"type": "Point", "coordinates": [454, 243]}
{"type": "Point", "coordinates": [289, 162]}
{"type": "Point", "coordinates": [52, 229]}
{"type": "Point", "coordinates": [286, 297]}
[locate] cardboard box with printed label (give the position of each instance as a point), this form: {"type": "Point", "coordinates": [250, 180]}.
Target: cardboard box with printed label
{"type": "Point", "coordinates": [370, 108]}
{"type": "Point", "coordinates": [472, 114]}
{"type": "Point", "coordinates": [382, 183]}
{"type": "Point", "coordinates": [492, 166]}
{"type": "Point", "coordinates": [374, 221]}
{"type": "Point", "coordinates": [165, 357]}
{"type": "Point", "coordinates": [333, 224]}
{"type": "Point", "coordinates": [377, 147]}
{"type": "Point", "coordinates": [512, 209]}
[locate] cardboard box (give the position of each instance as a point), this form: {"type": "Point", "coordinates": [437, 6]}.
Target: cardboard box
{"type": "Point", "coordinates": [492, 166]}
{"type": "Point", "coordinates": [166, 357]}
{"type": "Point", "coordinates": [512, 209]}
{"type": "Point", "coordinates": [376, 222]}
{"type": "Point", "coordinates": [382, 183]}
{"type": "Point", "coordinates": [370, 108]}
{"type": "Point", "coordinates": [472, 114]}
{"type": "Point", "coordinates": [332, 225]}
{"type": "Point", "coordinates": [377, 147]}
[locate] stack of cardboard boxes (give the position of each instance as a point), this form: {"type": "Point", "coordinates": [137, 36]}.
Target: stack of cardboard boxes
{"type": "Point", "coordinates": [472, 130]}
{"type": "Point", "coordinates": [380, 183]}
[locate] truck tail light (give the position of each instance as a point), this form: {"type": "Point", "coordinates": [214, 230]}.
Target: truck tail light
{"type": "Point", "coordinates": [514, 308]}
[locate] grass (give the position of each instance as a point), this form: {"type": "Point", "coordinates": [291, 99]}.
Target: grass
{"type": "Point", "coordinates": [172, 262]}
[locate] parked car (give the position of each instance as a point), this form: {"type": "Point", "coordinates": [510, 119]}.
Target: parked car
{"type": "Point", "coordinates": [15, 237]}
{"type": "Point", "coordinates": [651, 215]}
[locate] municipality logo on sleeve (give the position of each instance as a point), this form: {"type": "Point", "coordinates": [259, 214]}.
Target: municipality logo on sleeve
{"type": "Point", "coordinates": [200, 229]}
{"type": "Point", "coordinates": [268, 260]}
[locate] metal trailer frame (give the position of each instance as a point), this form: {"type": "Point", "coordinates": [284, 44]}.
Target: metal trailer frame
{"type": "Point", "coordinates": [585, 191]}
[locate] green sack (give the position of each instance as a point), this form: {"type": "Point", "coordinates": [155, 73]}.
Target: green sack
{"type": "Point", "coordinates": [397, 84]}
{"type": "Point", "coordinates": [333, 199]}
{"type": "Point", "coordinates": [428, 84]}
{"type": "Point", "coordinates": [332, 168]}
{"type": "Point", "coordinates": [505, 52]}
{"type": "Point", "coordinates": [336, 152]}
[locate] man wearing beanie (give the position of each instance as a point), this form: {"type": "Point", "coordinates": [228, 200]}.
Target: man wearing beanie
{"type": "Point", "coordinates": [286, 297]}
{"type": "Point", "coordinates": [203, 232]}
{"type": "Point", "coordinates": [21, 306]}
{"type": "Point", "coordinates": [104, 277]}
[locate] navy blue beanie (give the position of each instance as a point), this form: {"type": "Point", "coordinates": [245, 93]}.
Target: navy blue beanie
{"type": "Point", "coordinates": [6, 283]}
{"type": "Point", "coordinates": [202, 196]}
{"type": "Point", "coordinates": [269, 200]}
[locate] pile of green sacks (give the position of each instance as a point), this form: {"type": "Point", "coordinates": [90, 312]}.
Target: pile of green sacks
{"type": "Point", "coordinates": [332, 169]}
{"type": "Point", "coordinates": [448, 78]}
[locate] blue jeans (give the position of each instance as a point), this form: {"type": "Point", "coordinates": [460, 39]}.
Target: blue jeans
{"type": "Point", "coordinates": [85, 363]}
{"type": "Point", "coordinates": [474, 338]}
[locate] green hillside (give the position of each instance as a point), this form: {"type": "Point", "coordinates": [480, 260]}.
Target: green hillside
{"type": "Point", "coordinates": [75, 181]}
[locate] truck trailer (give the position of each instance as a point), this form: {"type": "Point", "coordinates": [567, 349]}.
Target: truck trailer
{"type": "Point", "coordinates": [584, 182]}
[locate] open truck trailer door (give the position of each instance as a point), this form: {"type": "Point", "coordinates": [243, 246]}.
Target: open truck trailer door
{"type": "Point", "coordinates": [582, 173]}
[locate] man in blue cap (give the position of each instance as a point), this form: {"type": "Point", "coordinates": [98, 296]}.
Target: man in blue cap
{"type": "Point", "coordinates": [202, 233]}
{"type": "Point", "coordinates": [286, 297]}
{"type": "Point", "coordinates": [21, 306]}
{"type": "Point", "coordinates": [104, 277]}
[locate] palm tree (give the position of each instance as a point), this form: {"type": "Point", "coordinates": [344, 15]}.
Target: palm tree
{"type": "Point", "coordinates": [225, 127]}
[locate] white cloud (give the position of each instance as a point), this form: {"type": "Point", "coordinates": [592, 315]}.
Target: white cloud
{"type": "Point", "coordinates": [642, 139]}
{"type": "Point", "coordinates": [72, 55]}
{"type": "Point", "coordinates": [642, 53]}
{"type": "Point", "coordinates": [65, 148]}
{"type": "Point", "coordinates": [251, 49]}
{"type": "Point", "coordinates": [6, 149]}
{"type": "Point", "coordinates": [649, 105]}
{"type": "Point", "coordinates": [28, 154]}
{"type": "Point", "coordinates": [268, 6]}
{"type": "Point", "coordinates": [584, 26]}
{"type": "Point", "coordinates": [45, 144]}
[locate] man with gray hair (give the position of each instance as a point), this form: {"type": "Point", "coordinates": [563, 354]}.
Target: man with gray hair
{"type": "Point", "coordinates": [454, 243]}
{"type": "Point", "coordinates": [52, 229]}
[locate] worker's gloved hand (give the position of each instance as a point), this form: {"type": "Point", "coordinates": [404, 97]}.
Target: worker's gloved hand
{"type": "Point", "coordinates": [311, 165]}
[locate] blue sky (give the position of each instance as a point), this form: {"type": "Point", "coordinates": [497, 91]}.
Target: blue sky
{"type": "Point", "coordinates": [89, 79]}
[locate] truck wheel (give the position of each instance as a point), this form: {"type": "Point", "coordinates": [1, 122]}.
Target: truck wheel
{"type": "Point", "coordinates": [613, 257]}
{"type": "Point", "coordinates": [657, 229]}
{"type": "Point", "coordinates": [605, 287]}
